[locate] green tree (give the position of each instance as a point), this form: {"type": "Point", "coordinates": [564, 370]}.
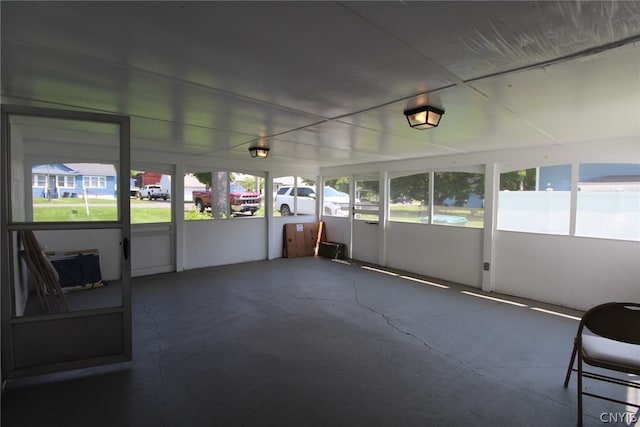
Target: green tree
{"type": "Point", "coordinates": [415, 187]}
{"type": "Point", "coordinates": [340, 184]}
{"type": "Point", "coordinates": [520, 180]}
{"type": "Point", "coordinates": [457, 186]}
{"type": "Point", "coordinates": [368, 190]}
{"type": "Point", "coordinates": [204, 178]}
{"type": "Point", "coordinates": [248, 182]}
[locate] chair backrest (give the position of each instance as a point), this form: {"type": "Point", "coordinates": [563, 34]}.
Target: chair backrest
{"type": "Point", "coordinates": [618, 321]}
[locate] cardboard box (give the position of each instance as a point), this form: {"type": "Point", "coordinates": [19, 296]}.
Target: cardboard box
{"type": "Point", "coordinates": [302, 239]}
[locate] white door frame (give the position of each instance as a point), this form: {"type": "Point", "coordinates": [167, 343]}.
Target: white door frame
{"type": "Point", "coordinates": [27, 340]}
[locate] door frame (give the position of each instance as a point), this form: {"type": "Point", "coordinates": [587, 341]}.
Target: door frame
{"type": "Point", "coordinates": [141, 232]}
{"type": "Point", "coordinates": [110, 317]}
{"type": "Point", "coordinates": [368, 238]}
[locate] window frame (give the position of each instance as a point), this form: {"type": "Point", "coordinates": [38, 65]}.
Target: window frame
{"type": "Point", "coordinates": [100, 179]}
{"type": "Point", "coordinates": [426, 207]}
{"type": "Point", "coordinates": [65, 179]}
{"type": "Point", "coordinates": [35, 176]}
{"type": "Point", "coordinates": [551, 197]}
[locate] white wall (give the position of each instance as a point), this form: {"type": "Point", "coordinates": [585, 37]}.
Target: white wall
{"type": "Point", "coordinates": [575, 272]}
{"type": "Point", "coordinates": [571, 271]}
{"type": "Point", "coordinates": [337, 229]}
{"type": "Point", "coordinates": [439, 251]}
{"type": "Point", "coordinates": [106, 241]}
{"type": "Point", "coordinates": [152, 249]}
{"type": "Point", "coordinates": [443, 252]}
{"type": "Point", "coordinates": [219, 242]}
{"type": "Point", "coordinates": [366, 241]}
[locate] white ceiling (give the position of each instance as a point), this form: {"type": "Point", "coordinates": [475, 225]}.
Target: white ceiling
{"type": "Point", "coordinates": [325, 83]}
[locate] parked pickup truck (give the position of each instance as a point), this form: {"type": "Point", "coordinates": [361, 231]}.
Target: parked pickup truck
{"type": "Point", "coordinates": [241, 200]}
{"type": "Point", "coordinates": [153, 192]}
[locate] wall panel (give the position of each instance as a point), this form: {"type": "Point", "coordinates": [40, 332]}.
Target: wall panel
{"type": "Point", "coordinates": [439, 251]}
{"type": "Point", "coordinates": [571, 271]}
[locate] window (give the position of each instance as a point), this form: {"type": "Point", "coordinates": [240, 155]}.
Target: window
{"type": "Point", "coordinates": [66, 200]}
{"type": "Point", "coordinates": [608, 202]}
{"type": "Point", "coordinates": [336, 197]}
{"type": "Point", "coordinates": [221, 195]}
{"type": "Point", "coordinates": [195, 184]}
{"type": "Point", "coordinates": [283, 199]}
{"type": "Point", "coordinates": [39, 181]}
{"type": "Point", "coordinates": [246, 195]}
{"type": "Point", "coordinates": [306, 192]}
{"type": "Point", "coordinates": [66, 181]}
{"type": "Point", "coordinates": [151, 197]}
{"type": "Point", "coordinates": [409, 198]}
{"type": "Point", "coordinates": [197, 188]}
{"type": "Point", "coordinates": [535, 200]}
{"type": "Point", "coordinates": [520, 180]}
{"type": "Point", "coordinates": [208, 193]}
{"type": "Point", "coordinates": [94, 181]}
{"type": "Point", "coordinates": [294, 196]}
{"type": "Point", "coordinates": [367, 202]}
{"type": "Point", "coordinates": [458, 199]}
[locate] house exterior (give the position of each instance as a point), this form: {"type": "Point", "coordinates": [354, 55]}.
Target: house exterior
{"type": "Point", "coordinates": [148, 178]}
{"type": "Point", "coordinates": [607, 176]}
{"type": "Point", "coordinates": [74, 180]}
{"type": "Point", "coordinates": [191, 184]}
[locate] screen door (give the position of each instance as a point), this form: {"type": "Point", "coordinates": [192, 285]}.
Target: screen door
{"type": "Point", "coordinates": [65, 240]}
{"type": "Point", "coordinates": [366, 219]}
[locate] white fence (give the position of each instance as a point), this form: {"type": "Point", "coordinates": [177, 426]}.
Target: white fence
{"type": "Point", "coordinates": [606, 214]}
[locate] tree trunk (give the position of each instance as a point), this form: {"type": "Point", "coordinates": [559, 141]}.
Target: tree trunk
{"type": "Point", "coordinates": [219, 202]}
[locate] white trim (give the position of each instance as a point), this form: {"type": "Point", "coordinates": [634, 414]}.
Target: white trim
{"type": "Point", "coordinates": [33, 175]}
{"type": "Point", "coordinates": [100, 178]}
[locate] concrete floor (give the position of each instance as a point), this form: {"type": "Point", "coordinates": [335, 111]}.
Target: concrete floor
{"type": "Point", "coordinates": [312, 342]}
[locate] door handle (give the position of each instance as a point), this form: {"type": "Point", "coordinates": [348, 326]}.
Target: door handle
{"type": "Point", "coordinates": [125, 248]}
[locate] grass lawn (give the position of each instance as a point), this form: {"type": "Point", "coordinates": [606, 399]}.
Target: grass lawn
{"type": "Point", "coordinates": [195, 215]}
{"type": "Point", "coordinates": [74, 209]}
{"type": "Point", "coordinates": [192, 214]}
{"type": "Point", "coordinates": [407, 213]}
{"type": "Point", "coordinates": [414, 213]}
{"type": "Point", "coordinates": [144, 211]}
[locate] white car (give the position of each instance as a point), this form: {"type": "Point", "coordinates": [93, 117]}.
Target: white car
{"type": "Point", "coordinates": [336, 203]}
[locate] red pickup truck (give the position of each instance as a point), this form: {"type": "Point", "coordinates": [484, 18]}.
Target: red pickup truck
{"type": "Point", "coordinates": [241, 200]}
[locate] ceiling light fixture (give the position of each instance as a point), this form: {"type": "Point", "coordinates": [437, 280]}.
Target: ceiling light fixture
{"type": "Point", "coordinates": [424, 117]}
{"type": "Point", "coordinates": [259, 152]}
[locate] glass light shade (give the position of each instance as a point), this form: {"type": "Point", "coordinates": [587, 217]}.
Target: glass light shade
{"type": "Point", "coordinates": [259, 152]}
{"type": "Point", "coordinates": [424, 117]}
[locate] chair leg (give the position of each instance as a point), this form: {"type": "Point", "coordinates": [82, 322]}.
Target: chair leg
{"type": "Point", "coordinates": [580, 390]}
{"type": "Point", "coordinates": [570, 368]}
